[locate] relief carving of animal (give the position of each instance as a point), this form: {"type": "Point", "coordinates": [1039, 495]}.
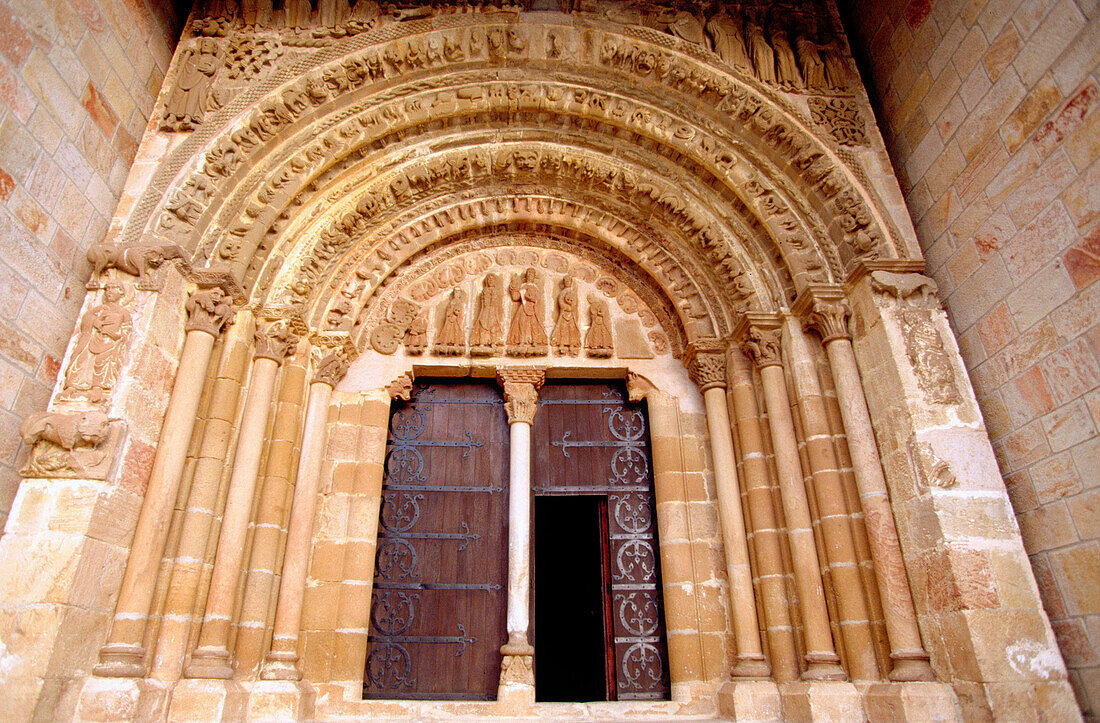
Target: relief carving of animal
{"type": "Point", "coordinates": [133, 259]}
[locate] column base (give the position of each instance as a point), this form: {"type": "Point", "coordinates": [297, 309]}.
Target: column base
{"type": "Point", "coordinates": [282, 701]}
{"type": "Point", "coordinates": [821, 702]}
{"type": "Point", "coordinates": [911, 666]}
{"type": "Point", "coordinates": [207, 700]}
{"type": "Point", "coordinates": [128, 699]}
{"type": "Point", "coordinates": [120, 660]}
{"type": "Point", "coordinates": [910, 701]}
{"type": "Point", "coordinates": [752, 701]}
{"type": "Point", "coordinates": [822, 667]}
{"type": "Point", "coordinates": [214, 663]}
{"type": "Point", "coordinates": [281, 666]}
{"type": "Point", "coordinates": [517, 681]}
{"type": "Point", "coordinates": [754, 666]}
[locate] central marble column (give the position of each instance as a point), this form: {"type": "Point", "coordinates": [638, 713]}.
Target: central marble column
{"type": "Point", "coordinates": [521, 388]}
{"type": "Point", "coordinates": [281, 662]}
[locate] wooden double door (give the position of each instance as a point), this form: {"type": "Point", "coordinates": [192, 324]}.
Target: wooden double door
{"type": "Point", "coordinates": [439, 600]}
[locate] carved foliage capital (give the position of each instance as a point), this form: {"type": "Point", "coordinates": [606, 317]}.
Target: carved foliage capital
{"type": "Point", "coordinates": [521, 393]}
{"type": "Point", "coordinates": [708, 370]}
{"type": "Point", "coordinates": [830, 318]}
{"type": "Point", "coordinates": [210, 310]}
{"type": "Point", "coordinates": [331, 367]}
{"type": "Point", "coordinates": [275, 341]}
{"type": "Point", "coordinates": [763, 345]}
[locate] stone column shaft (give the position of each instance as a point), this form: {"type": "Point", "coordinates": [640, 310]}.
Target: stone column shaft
{"type": "Point", "coordinates": [765, 531]}
{"type": "Point", "coordinates": [211, 659]}
{"type": "Point", "coordinates": [906, 650]}
{"type": "Point", "coordinates": [124, 654]}
{"type": "Point", "coordinates": [282, 660]}
{"type": "Point", "coordinates": [832, 511]}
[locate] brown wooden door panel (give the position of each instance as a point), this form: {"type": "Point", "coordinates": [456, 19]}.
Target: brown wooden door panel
{"type": "Point", "coordinates": [588, 440]}
{"type": "Point", "coordinates": [439, 602]}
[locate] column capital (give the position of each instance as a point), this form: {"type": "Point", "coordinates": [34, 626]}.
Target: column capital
{"type": "Point", "coordinates": [521, 392]}
{"type": "Point", "coordinates": [332, 365]}
{"type": "Point", "coordinates": [210, 310]}
{"type": "Point", "coordinates": [275, 341]}
{"type": "Point", "coordinates": [825, 309]}
{"type": "Point", "coordinates": [761, 338]}
{"type": "Point", "coordinates": [706, 360]}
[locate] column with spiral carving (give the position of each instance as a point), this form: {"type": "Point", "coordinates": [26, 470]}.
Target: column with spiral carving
{"type": "Point", "coordinates": [281, 662]}
{"type": "Point", "coordinates": [826, 311]}
{"type": "Point", "coordinates": [521, 390]}
{"type": "Point", "coordinates": [209, 310]}
{"type": "Point", "coordinates": [761, 335]}
{"type": "Point", "coordinates": [707, 364]}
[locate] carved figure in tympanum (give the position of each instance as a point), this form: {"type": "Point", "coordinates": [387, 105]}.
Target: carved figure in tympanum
{"type": "Point", "coordinates": [726, 30]}
{"type": "Point", "coordinates": [486, 338]}
{"type": "Point", "coordinates": [187, 103]}
{"type": "Point", "coordinates": [813, 65]}
{"type": "Point", "coordinates": [451, 340]}
{"type": "Point", "coordinates": [566, 337]}
{"type": "Point", "coordinates": [527, 334]}
{"type": "Point", "coordinates": [786, 66]}
{"type": "Point", "coordinates": [72, 445]}
{"type": "Point", "coordinates": [416, 336]}
{"type": "Point", "coordinates": [763, 57]}
{"type": "Point", "coordinates": [100, 349]}
{"type": "Point", "coordinates": [598, 342]}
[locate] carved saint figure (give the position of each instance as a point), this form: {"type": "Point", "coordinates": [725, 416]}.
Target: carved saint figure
{"type": "Point", "coordinates": [451, 340]}
{"type": "Point", "coordinates": [786, 66]}
{"type": "Point", "coordinates": [598, 341]}
{"type": "Point", "coordinates": [566, 337]}
{"type": "Point", "coordinates": [187, 103]}
{"type": "Point", "coordinates": [813, 67]}
{"type": "Point", "coordinates": [100, 349]}
{"type": "Point", "coordinates": [527, 335]}
{"type": "Point", "coordinates": [489, 324]}
{"type": "Point", "coordinates": [763, 59]}
{"type": "Point", "coordinates": [725, 30]}
{"type": "Point", "coordinates": [416, 336]}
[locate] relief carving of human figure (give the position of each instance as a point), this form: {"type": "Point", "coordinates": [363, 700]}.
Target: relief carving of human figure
{"type": "Point", "coordinates": [100, 349]}
{"type": "Point", "coordinates": [566, 337]}
{"type": "Point", "coordinates": [187, 104]}
{"type": "Point", "coordinates": [725, 30]}
{"type": "Point", "coordinates": [598, 341]}
{"type": "Point", "coordinates": [763, 58]}
{"type": "Point", "coordinates": [485, 339]}
{"type": "Point", "coordinates": [452, 330]}
{"type": "Point", "coordinates": [527, 335]}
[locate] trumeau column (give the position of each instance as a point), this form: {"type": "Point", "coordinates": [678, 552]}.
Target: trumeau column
{"type": "Point", "coordinates": [521, 388]}
{"type": "Point", "coordinates": [761, 335]}
{"type": "Point", "coordinates": [828, 312]}
{"type": "Point", "coordinates": [281, 662]}
{"type": "Point", "coordinates": [209, 311]}
{"type": "Point", "coordinates": [708, 370]}
{"type": "Point", "coordinates": [832, 511]}
{"type": "Point", "coordinates": [211, 659]}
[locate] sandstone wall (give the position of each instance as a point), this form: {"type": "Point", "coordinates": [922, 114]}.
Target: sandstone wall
{"type": "Point", "coordinates": [77, 83]}
{"type": "Point", "coordinates": [989, 108]}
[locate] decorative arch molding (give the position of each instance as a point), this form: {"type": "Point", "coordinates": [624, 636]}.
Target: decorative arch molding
{"type": "Point", "coordinates": [733, 135]}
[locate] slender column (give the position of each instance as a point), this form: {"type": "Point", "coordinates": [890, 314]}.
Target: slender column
{"type": "Point", "coordinates": [281, 662]}
{"type": "Point", "coordinates": [521, 388]}
{"type": "Point", "coordinates": [181, 603]}
{"type": "Point", "coordinates": [211, 659]}
{"type": "Point", "coordinates": [708, 369]}
{"type": "Point", "coordinates": [907, 652]}
{"type": "Point", "coordinates": [209, 311]}
{"type": "Point", "coordinates": [765, 529]}
{"type": "Point", "coordinates": [762, 338]}
{"type": "Point", "coordinates": [832, 511]}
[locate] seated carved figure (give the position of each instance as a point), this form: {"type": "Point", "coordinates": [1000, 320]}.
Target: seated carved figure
{"type": "Point", "coordinates": [133, 259]}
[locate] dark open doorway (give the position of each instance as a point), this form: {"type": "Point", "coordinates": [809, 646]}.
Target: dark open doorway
{"type": "Point", "coordinates": [572, 649]}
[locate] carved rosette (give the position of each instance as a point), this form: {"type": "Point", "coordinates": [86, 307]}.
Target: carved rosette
{"type": "Point", "coordinates": [830, 318]}
{"type": "Point", "coordinates": [210, 310]}
{"type": "Point", "coordinates": [708, 370]}
{"type": "Point", "coordinates": [276, 342]}
{"type": "Point", "coordinates": [331, 368]}
{"type": "Point", "coordinates": [521, 393]}
{"type": "Point", "coordinates": [763, 346]}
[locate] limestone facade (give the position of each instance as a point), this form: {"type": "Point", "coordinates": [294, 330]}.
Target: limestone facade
{"type": "Point", "coordinates": [692, 200]}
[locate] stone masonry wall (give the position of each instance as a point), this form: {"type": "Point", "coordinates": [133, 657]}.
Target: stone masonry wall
{"type": "Point", "coordinates": [989, 110]}
{"type": "Point", "coordinates": [78, 79]}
